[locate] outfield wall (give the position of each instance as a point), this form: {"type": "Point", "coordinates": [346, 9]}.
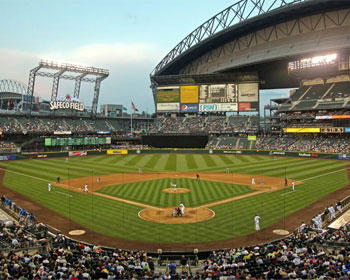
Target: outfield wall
{"type": "Point", "coordinates": [188, 151]}
{"type": "Point", "coordinates": [242, 152]}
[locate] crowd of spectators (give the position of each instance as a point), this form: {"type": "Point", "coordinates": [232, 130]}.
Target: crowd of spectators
{"type": "Point", "coordinates": [78, 261]}
{"type": "Point", "coordinates": [315, 113]}
{"type": "Point", "coordinates": [7, 144]}
{"type": "Point", "coordinates": [48, 125]}
{"type": "Point", "coordinates": [205, 124]}
{"type": "Point", "coordinates": [330, 144]}
{"type": "Point", "coordinates": [305, 144]}
{"type": "Point", "coordinates": [300, 256]}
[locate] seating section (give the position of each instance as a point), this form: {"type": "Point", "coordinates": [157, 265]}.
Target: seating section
{"type": "Point", "coordinates": [198, 124]}
{"type": "Point", "coordinates": [228, 142]}
{"type": "Point", "coordinates": [339, 90]}
{"type": "Point", "coordinates": [48, 125]}
{"type": "Point", "coordinates": [305, 105]}
{"type": "Point", "coordinates": [306, 254]}
{"type": "Point", "coordinates": [205, 124]}
{"type": "Point", "coordinates": [30, 251]}
{"type": "Point", "coordinates": [316, 92]}
{"type": "Point", "coordinates": [305, 144]}
{"type": "Point", "coordinates": [333, 95]}
{"type": "Point", "coordinates": [299, 93]}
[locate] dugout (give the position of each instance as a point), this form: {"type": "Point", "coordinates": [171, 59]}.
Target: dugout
{"type": "Point", "coordinates": [175, 141]}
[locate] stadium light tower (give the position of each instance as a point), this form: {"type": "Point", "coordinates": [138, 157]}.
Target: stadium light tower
{"type": "Point", "coordinates": [67, 71]}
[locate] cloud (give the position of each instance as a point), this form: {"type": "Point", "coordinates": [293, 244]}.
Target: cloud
{"type": "Point", "coordinates": [108, 53]}
{"type": "Point", "coordinates": [15, 64]}
{"type": "Point", "coordinates": [129, 65]}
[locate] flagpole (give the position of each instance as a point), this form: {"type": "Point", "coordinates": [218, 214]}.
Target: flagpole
{"type": "Point", "coordinates": [131, 124]}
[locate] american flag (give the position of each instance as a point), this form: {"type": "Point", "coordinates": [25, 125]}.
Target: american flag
{"type": "Point", "coordinates": [133, 107]}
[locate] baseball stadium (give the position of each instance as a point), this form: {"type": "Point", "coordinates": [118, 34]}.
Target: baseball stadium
{"type": "Point", "coordinates": [213, 185]}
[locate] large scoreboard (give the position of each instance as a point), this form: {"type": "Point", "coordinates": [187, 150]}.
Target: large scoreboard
{"type": "Point", "coordinates": [77, 141]}
{"type": "Point", "coordinates": [208, 98]}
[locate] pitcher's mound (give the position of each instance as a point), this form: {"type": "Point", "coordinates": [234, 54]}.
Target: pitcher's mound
{"type": "Point", "coordinates": [164, 215]}
{"type": "Point", "coordinates": [177, 190]}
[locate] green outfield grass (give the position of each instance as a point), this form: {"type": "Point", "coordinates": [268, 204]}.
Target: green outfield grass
{"type": "Point", "coordinates": [232, 219]}
{"type": "Point", "coordinates": [201, 192]}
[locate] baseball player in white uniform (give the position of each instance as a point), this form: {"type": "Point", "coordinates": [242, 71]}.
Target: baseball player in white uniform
{"type": "Point", "coordinates": [302, 227]}
{"type": "Point", "coordinates": [182, 208]}
{"type": "Point", "coordinates": [86, 188]}
{"type": "Point", "coordinates": [49, 186]}
{"type": "Point", "coordinates": [315, 222]}
{"type": "Point", "coordinates": [319, 221]}
{"type": "Point", "coordinates": [332, 211]}
{"type": "Point", "coordinates": [98, 179]}
{"type": "Point", "coordinates": [257, 222]}
{"type": "Point", "coordinates": [253, 181]}
{"type": "Point", "coordinates": [339, 207]}
{"type": "Point", "coordinates": [174, 186]}
{"type": "Point", "coordinates": [293, 186]}
{"type": "Point", "coordinates": [67, 160]}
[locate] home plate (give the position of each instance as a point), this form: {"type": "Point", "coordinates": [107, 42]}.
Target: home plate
{"type": "Point", "coordinates": [77, 232]}
{"type": "Point", "coordinates": [281, 232]}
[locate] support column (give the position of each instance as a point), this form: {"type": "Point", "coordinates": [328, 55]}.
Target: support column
{"type": "Point", "coordinates": [31, 85]}
{"type": "Point", "coordinates": [96, 96]}
{"type": "Point", "coordinates": [77, 85]}
{"type": "Point", "coordinates": [56, 81]}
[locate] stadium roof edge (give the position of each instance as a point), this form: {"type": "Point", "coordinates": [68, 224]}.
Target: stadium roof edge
{"type": "Point", "coordinates": [196, 44]}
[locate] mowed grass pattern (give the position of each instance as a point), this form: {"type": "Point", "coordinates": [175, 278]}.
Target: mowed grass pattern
{"type": "Point", "coordinates": [151, 192]}
{"type": "Point", "coordinates": [116, 219]}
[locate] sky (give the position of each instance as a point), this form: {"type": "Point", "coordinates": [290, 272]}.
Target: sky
{"type": "Point", "coordinates": [129, 38]}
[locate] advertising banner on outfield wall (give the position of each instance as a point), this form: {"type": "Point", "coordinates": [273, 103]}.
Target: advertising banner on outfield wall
{"type": "Point", "coordinates": [347, 129]}
{"type": "Point", "coordinates": [168, 107]}
{"type": "Point", "coordinates": [248, 92]}
{"type": "Point", "coordinates": [8, 157]}
{"type": "Point", "coordinates": [117, 152]}
{"type": "Point", "coordinates": [189, 108]}
{"type": "Point", "coordinates": [77, 154]}
{"type": "Point", "coordinates": [343, 156]}
{"type": "Point", "coordinates": [38, 156]}
{"type": "Point", "coordinates": [218, 107]}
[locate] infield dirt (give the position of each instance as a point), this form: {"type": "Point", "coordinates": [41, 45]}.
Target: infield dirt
{"type": "Point", "coordinates": [164, 214]}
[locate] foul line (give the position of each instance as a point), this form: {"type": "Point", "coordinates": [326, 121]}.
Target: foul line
{"type": "Point", "coordinates": [325, 174]}
{"type": "Point", "coordinates": [64, 194]}
{"type": "Point", "coordinates": [288, 192]}
{"type": "Point", "coordinates": [26, 175]}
